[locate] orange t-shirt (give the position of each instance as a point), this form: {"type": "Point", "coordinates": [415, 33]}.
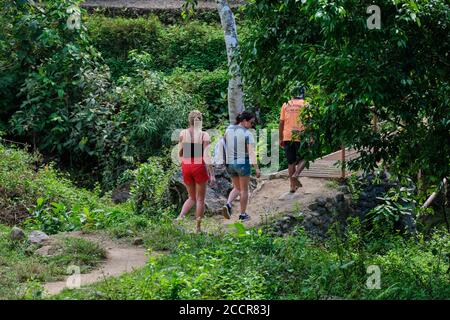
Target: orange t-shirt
{"type": "Point", "coordinates": [290, 113]}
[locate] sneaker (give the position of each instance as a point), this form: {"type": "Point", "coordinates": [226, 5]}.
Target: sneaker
{"type": "Point", "coordinates": [244, 217]}
{"type": "Point", "coordinates": [226, 211]}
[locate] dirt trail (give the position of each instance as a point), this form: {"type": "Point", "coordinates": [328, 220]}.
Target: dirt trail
{"type": "Point", "coordinates": [273, 199]}
{"type": "Point", "coordinates": [120, 258]}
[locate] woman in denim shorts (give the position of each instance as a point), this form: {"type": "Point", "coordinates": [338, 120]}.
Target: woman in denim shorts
{"type": "Point", "coordinates": [240, 155]}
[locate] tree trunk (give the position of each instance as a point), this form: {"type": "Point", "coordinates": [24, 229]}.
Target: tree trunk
{"type": "Point", "coordinates": [235, 91]}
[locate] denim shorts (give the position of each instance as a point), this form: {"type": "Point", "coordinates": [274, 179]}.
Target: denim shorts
{"type": "Point", "coordinates": [239, 170]}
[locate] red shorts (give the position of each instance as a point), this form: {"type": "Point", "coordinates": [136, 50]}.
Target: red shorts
{"type": "Point", "coordinates": [194, 173]}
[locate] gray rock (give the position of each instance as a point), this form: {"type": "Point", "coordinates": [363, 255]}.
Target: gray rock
{"type": "Point", "coordinates": [313, 206]}
{"type": "Point", "coordinates": [321, 201]}
{"type": "Point", "coordinates": [322, 211]}
{"type": "Point", "coordinates": [121, 194]}
{"type": "Point", "coordinates": [343, 189]}
{"type": "Point", "coordinates": [340, 197]}
{"type": "Point", "coordinates": [45, 251]}
{"type": "Point", "coordinates": [329, 206]}
{"type": "Point", "coordinates": [17, 234]}
{"type": "Point", "coordinates": [315, 221]}
{"type": "Point", "coordinates": [37, 237]}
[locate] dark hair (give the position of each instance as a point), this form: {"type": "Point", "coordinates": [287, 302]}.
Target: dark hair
{"type": "Point", "coordinates": [244, 115]}
{"type": "Point", "coordinates": [299, 92]}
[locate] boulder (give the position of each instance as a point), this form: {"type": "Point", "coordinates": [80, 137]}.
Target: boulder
{"type": "Point", "coordinates": [121, 194]}
{"type": "Point", "coordinates": [17, 234]}
{"type": "Point", "coordinates": [37, 237]}
{"type": "Point", "coordinates": [313, 206]}
{"type": "Point", "coordinates": [45, 251]}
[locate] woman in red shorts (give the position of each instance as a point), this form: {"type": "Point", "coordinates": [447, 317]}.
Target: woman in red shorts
{"type": "Point", "coordinates": [196, 173]}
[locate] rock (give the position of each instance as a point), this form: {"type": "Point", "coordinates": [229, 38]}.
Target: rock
{"type": "Point", "coordinates": [315, 214]}
{"type": "Point", "coordinates": [313, 206]}
{"type": "Point", "coordinates": [343, 188]}
{"type": "Point", "coordinates": [322, 211]}
{"type": "Point", "coordinates": [45, 251]}
{"type": "Point", "coordinates": [340, 197]}
{"type": "Point", "coordinates": [121, 194]}
{"type": "Point", "coordinates": [321, 201]}
{"type": "Point", "coordinates": [37, 237]}
{"type": "Point", "coordinates": [17, 234]}
{"type": "Point", "coordinates": [138, 241]}
{"type": "Point", "coordinates": [315, 221]}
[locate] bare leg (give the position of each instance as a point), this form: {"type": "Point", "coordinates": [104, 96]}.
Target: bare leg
{"type": "Point", "coordinates": [300, 167]}
{"type": "Point", "coordinates": [291, 171]}
{"type": "Point", "coordinates": [243, 184]}
{"type": "Point", "coordinates": [190, 202]}
{"type": "Point", "coordinates": [200, 204]}
{"type": "Point", "coordinates": [236, 190]}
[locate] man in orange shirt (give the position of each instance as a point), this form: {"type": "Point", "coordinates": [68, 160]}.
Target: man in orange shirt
{"type": "Point", "coordinates": [290, 129]}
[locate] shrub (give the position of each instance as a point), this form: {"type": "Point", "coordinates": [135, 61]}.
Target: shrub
{"type": "Point", "coordinates": [150, 187]}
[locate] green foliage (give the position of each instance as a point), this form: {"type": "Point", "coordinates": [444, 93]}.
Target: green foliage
{"type": "Point", "coordinates": [116, 37]}
{"type": "Point", "coordinates": [68, 105]}
{"type": "Point", "coordinates": [55, 203]}
{"type": "Point", "coordinates": [150, 187]}
{"type": "Point", "coordinates": [193, 45]}
{"type": "Point", "coordinates": [396, 203]}
{"type": "Point", "coordinates": [210, 87]}
{"type": "Point", "coordinates": [398, 73]}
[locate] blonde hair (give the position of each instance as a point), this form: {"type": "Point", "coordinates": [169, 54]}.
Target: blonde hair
{"type": "Point", "coordinates": [195, 115]}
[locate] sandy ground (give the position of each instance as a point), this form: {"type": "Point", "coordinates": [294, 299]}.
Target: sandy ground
{"type": "Point", "coordinates": [120, 258]}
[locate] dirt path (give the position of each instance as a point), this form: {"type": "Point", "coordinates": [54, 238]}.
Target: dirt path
{"type": "Point", "coordinates": [120, 258]}
{"type": "Point", "coordinates": [274, 198]}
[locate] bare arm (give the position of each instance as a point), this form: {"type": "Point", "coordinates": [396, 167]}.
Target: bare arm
{"type": "Point", "coordinates": [253, 160]}
{"type": "Point", "coordinates": [280, 132]}
{"type": "Point", "coordinates": [180, 146]}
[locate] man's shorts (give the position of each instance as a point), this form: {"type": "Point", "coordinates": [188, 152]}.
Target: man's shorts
{"type": "Point", "coordinates": [239, 170]}
{"type": "Point", "coordinates": [291, 149]}
{"type": "Point", "coordinates": [194, 173]}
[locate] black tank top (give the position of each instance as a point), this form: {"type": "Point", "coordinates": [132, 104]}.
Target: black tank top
{"type": "Point", "coordinates": [193, 150]}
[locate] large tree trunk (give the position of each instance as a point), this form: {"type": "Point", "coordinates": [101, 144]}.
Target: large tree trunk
{"type": "Point", "coordinates": [235, 91]}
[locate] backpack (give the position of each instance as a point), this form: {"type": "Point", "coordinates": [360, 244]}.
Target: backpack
{"type": "Point", "coordinates": [220, 152]}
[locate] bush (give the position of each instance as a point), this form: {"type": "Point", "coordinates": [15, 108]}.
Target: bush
{"type": "Point", "coordinates": [210, 86]}
{"type": "Point", "coordinates": [54, 203]}
{"type": "Point", "coordinates": [116, 37]}
{"type": "Point", "coordinates": [150, 187]}
{"type": "Point", "coordinates": [193, 46]}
